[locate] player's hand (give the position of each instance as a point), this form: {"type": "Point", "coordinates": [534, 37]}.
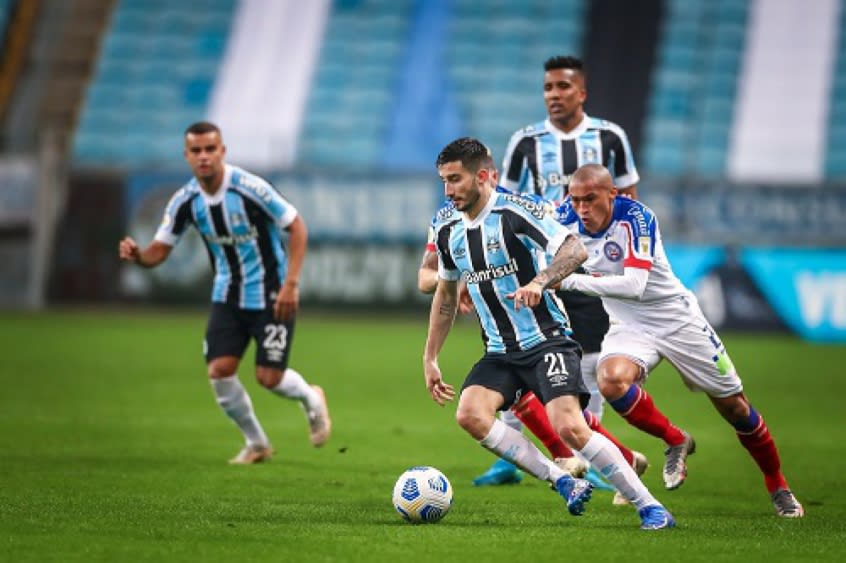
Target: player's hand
{"type": "Point", "coordinates": [528, 295]}
{"type": "Point", "coordinates": [128, 250]}
{"type": "Point", "coordinates": [287, 301]}
{"type": "Point", "coordinates": [465, 302]}
{"type": "Point", "coordinates": [441, 392]}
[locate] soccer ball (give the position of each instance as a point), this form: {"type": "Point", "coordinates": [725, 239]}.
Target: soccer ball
{"type": "Point", "coordinates": [422, 494]}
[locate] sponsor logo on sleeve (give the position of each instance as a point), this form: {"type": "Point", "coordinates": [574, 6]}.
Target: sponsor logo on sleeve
{"type": "Point", "coordinates": [644, 245]}
{"type": "Point", "coordinates": [639, 220]}
{"type": "Point", "coordinates": [445, 212]}
{"type": "Point", "coordinates": [537, 210]}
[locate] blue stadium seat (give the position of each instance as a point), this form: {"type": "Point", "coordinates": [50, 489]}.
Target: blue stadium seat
{"type": "Point", "coordinates": [351, 96]}
{"type": "Point", "coordinates": [694, 87]}
{"type": "Point", "coordinates": [154, 74]}
{"type": "Point", "coordinates": [514, 37]}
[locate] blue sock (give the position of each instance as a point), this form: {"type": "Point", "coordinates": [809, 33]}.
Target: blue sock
{"type": "Point", "coordinates": [750, 423]}
{"type": "Point", "coordinates": [624, 403]}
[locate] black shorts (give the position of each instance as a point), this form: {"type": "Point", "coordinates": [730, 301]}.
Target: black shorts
{"type": "Point", "coordinates": [550, 370]}
{"type": "Point", "coordinates": [230, 329]}
{"type": "Point", "coordinates": [587, 317]}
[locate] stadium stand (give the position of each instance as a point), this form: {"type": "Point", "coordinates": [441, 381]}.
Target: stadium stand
{"type": "Point", "coordinates": [694, 88]}
{"type": "Point", "coordinates": [5, 10]}
{"type": "Point", "coordinates": [497, 49]}
{"type": "Point", "coordinates": [159, 60]}
{"type": "Point", "coordinates": [495, 60]}
{"type": "Point", "coordinates": [835, 166]}
{"type": "Point", "coordinates": [352, 91]}
{"type": "Point", "coordinates": [156, 67]}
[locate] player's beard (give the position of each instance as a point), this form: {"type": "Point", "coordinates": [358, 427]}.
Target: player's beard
{"type": "Point", "coordinates": [467, 203]}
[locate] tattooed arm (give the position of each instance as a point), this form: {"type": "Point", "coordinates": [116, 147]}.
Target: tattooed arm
{"type": "Point", "coordinates": [441, 317]}
{"type": "Point", "coordinates": [569, 257]}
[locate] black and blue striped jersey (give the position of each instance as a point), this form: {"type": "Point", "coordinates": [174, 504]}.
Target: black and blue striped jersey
{"type": "Point", "coordinates": [241, 226]}
{"type": "Point", "coordinates": [541, 158]}
{"type": "Point", "coordinates": [503, 248]}
{"type": "Point", "coordinates": [447, 204]}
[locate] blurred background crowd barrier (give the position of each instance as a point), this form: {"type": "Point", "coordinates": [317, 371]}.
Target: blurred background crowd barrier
{"type": "Point", "coordinates": [736, 111]}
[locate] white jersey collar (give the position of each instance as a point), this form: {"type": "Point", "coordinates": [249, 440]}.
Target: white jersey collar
{"type": "Point", "coordinates": [224, 185]}
{"type": "Point", "coordinates": [574, 134]}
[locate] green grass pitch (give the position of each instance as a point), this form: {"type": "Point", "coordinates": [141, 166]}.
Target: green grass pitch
{"type": "Point", "coordinates": [113, 449]}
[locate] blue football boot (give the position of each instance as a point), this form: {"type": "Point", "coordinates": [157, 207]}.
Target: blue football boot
{"type": "Point", "coordinates": [655, 517]}
{"type": "Point", "coordinates": [502, 472]}
{"type": "Point", "coordinates": [596, 479]}
{"type": "Point", "coordinates": [576, 492]}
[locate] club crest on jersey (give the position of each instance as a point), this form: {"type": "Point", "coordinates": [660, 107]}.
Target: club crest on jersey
{"type": "Point", "coordinates": [493, 244]}
{"type": "Point", "coordinates": [613, 251]}
{"type": "Point", "coordinates": [459, 252]}
{"type": "Point", "coordinates": [589, 155]}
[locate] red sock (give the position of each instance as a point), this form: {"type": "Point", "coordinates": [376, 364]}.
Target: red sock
{"type": "Point", "coordinates": [637, 408]}
{"type": "Point", "coordinates": [596, 426]}
{"type": "Point", "coordinates": [532, 414]}
{"type": "Point", "coordinates": [761, 446]}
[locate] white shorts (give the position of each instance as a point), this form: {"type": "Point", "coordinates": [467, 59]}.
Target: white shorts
{"type": "Point", "coordinates": [694, 350]}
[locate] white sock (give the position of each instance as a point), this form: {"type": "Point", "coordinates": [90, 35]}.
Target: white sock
{"type": "Point", "coordinates": [293, 386]}
{"type": "Point", "coordinates": [233, 399]}
{"type": "Point", "coordinates": [511, 445]}
{"type": "Point", "coordinates": [511, 420]}
{"type": "Point", "coordinates": [608, 460]}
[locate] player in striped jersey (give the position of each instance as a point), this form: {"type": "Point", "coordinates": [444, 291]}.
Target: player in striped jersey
{"type": "Point", "coordinates": [496, 242]}
{"type": "Point", "coordinates": [539, 160]}
{"type": "Point", "coordinates": [653, 316]}
{"type": "Point", "coordinates": [541, 157]}
{"type": "Point", "coordinates": [255, 294]}
{"type": "Point", "coordinates": [528, 410]}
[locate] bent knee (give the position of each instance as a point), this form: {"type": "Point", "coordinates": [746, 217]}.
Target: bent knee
{"type": "Point", "coordinates": [616, 374]}
{"type": "Point", "coordinates": [474, 421]}
{"type": "Point", "coordinates": [267, 377]}
{"type": "Point", "coordinates": [224, 366]}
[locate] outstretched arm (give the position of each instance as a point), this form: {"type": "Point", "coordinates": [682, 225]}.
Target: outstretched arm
{"type": "Point", "coordinates": [569, 257]}
{"type": "Point", "coordinates": [630, 285]}
{"type": "Point", "coordinates": [155, 253]}
{"type": "Point", "coordinates": [441, 317]}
